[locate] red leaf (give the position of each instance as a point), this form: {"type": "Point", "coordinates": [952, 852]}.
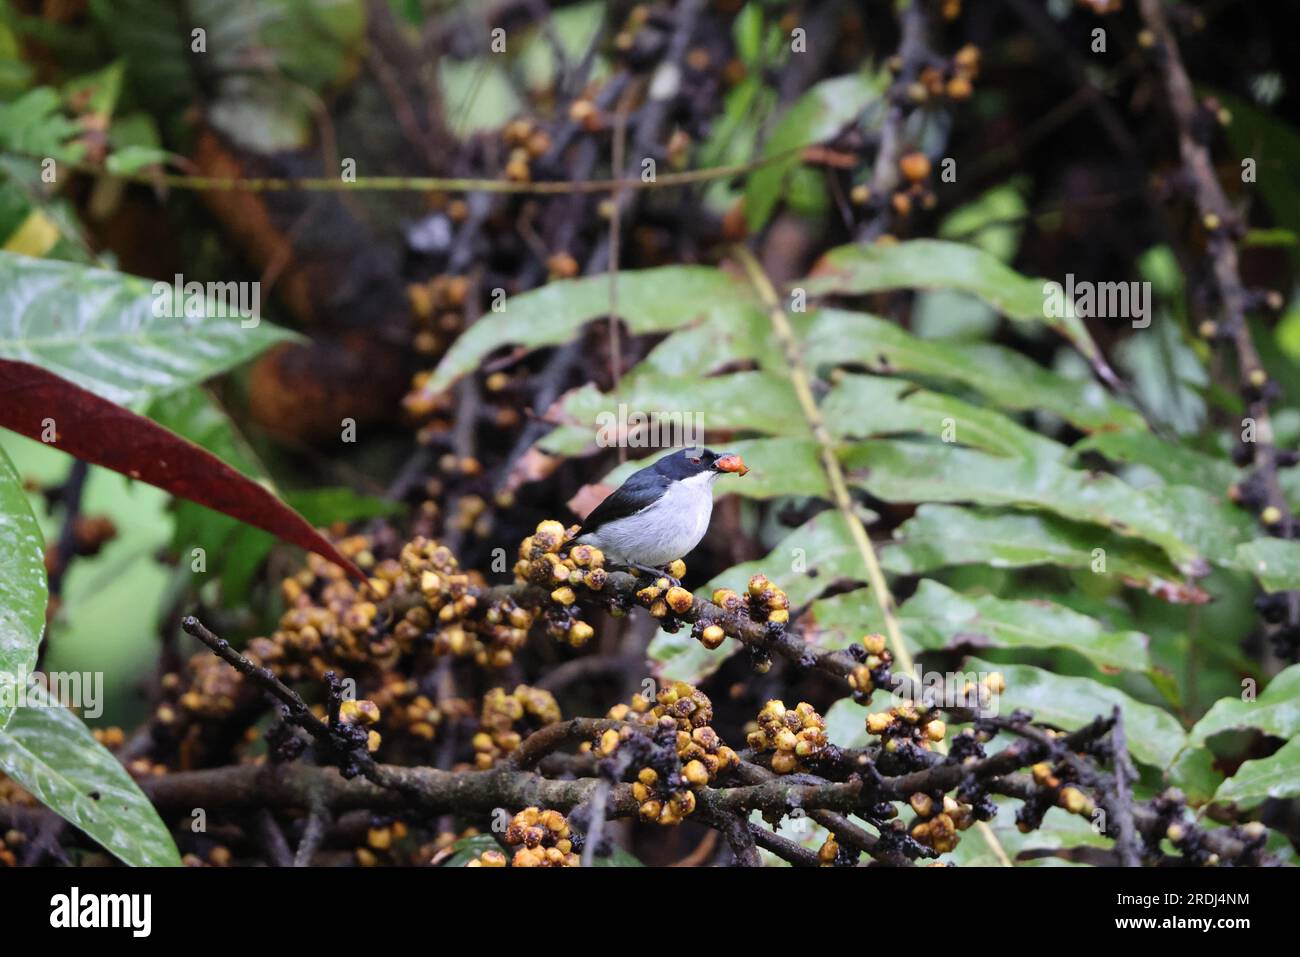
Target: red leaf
{"type": "Point", "coordinates": [97, 431]}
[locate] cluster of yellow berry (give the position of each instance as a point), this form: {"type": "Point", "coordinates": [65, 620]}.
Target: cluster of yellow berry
{"type": "Point", "coordinates": [953, 81]}
{"type": "Point", "coordinates": [12, 838]}
{"type": "Point", "coordinates": [438, 305]}
{"type": "Point", "coordinates": [503, 713]}
{"type": "Point", "coordinates": [762, 602]}
{"type": "Point", "coordinates": [328, 620]}
{"type": "Point", "coordinates": [829, 851]}
{"type": "Point", "coordinates": [380, 840]}
{"type": "Point", "coordinates": [906, 722]}
{"type": "Point", "coordinates": [419, 601]}
{"type": "Point", "coordinates": [874, 661]}
{"type": "Point", "coordinates": [681, 715]}
{"type": "Point", "coordinates": [940, 821]}
{"type": "Point", "coordinates": [543, 561]}
{"type": "Point", "coordinates": [362, 713]}
{"type": "Point", "coordinates": [218, 856]}
{"type": "Point", "coordinates": [794, 735]}
{"type": "Point", "coordinates": [212, 690]}
{"type": "Point", "coordinates": [527, 142]}
{"type": "Point", "coordinates": [408, 711]}
{"type": "Point", "coordinates": [542, 839]}
{"type": "Point", "coordinates": [662, 597]}
{"type": "Point", "coordinates": [111, 737]}
{"type": "Point", "coordinates": [1068, 797]}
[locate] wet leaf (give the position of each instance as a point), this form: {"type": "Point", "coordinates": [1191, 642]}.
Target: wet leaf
{"type": "Point", "coordinates": [23, 592]}
{"type": "Point", "coordinates": [937, 264]}
{"type": "Point", "coordinates": [899, 471]}
{"type": "Point", "coordinates": [1176, 464]}
{"type": "Point", "coordinates": [1277, 776]}
{"type": "Point", "coordinates": [97, 328]}
{"type": "Point", "coordinates": [939, 536]}
{"type": "Point", "coordinates": [1275, 711]}
{"type": "Point", "coordinates": [821, 113]}
{"type": "Point", "coordinates": [1274, 561]}
{"type": "Point", "coordinates": [1005, 378]}
{"type": "Point", "coordinates": [861, 406]}
{"type": "Point", "coordinates": [1154, 736]}
{"type": "Point", "coordinates": [50, 752]}
{"type": "Point", "coordinates": [97, 431]}
{"type": "Point", "coordinates": [649, 300]}
{"type": "Point", "coordinates": [937, 617]}
{"type": "Point", "coordinates": [780, 466]}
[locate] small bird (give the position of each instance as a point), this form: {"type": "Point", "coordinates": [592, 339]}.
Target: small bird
{"type": "Point", "coordinates": [661, 512]}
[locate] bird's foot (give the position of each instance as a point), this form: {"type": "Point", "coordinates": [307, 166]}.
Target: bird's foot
{"type": "Point", "coordinates": [655, 573]}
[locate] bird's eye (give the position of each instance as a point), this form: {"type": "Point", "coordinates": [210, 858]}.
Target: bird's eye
{"type": "Point", "coordinates": [695, 461]}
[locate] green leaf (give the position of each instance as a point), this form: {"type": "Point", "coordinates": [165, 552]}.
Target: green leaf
{"type": "Point", "coordinates": [1274, 561]}
{"type": "Point", "coordinates": [1059, 829]}
{"type": "Point", "coordinates": [900, 471]}
{"type": "Point", "coordinates": [812, 558]}
{"type": "Point", "coordinates": [470, 848]}
{"type": "Point", "coordinates": [818, 115]}
{"type": "Point", "coordinates": [780, 466]}
{"type": "Point", "coordinates": [270, 62]}
{"type": "Point", "coordinates": [679, 657]}
{"type": "Point", "coordinates": [1277, 776]}
{"type": "Point", "coordinates": [1001, 375]}
{"type": "Point", "coordinates": [1194, 773]}
{"type": "Point", "coordinates": [97, 328]}
{"type": "Point", "coordinates": [938, 536]}
{"type": "Point", "coordinates": [235, 551]}
{"type": "Point", "coordinates": [722, 338]}
{"type": "Point", "coordinates": [1276, 711]}
{"type": "Point", "coordinates": [132, 159]}
{"type": "Point", "coordinates": [862, 406]}
{"type": "Point", "coordinates": [993, 221]}
{"type": "Point", "coordinates": [1210, 524]}
{"type": "Point", "coordinates": [937, 617]}
{"type": "Point", "coordinates": [846, 720]}
{"type": "Point", "coordinates": [322, 506]}
{"type": "Point", "coordinates": [1154, 736]}
{"type": "Point", "coordinates": [35, 126]}
{"type": "Point", "coordinates": [50, 752]}
{"type": "Point", "coordinates": [649, 300]}
{"type": "Point", "coordinates": [1176, 464]}
{"type": "Point", "coordinates": [1275, 146]}
{"type": "Point", "coordinates": [858, 268]}
{"type": "Point", "coordinates": [23, 592]}
{"type": "Point", "coordinates": [617, 857]}
{"type": "Point", "coordinates": [1166, 375]}
{"type": "Point", "coordinates": [761, 401]}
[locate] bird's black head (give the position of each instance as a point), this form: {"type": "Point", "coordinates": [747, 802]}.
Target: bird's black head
{"type": "Point", "coordinates": [695, 460]}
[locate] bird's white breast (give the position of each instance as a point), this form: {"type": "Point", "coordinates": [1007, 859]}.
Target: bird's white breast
{"type": "Point", "coordinates": [662, 532]}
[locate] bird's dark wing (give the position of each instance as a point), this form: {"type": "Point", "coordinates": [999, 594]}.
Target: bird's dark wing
{"type": "Point", "coordinates": [641, 489]}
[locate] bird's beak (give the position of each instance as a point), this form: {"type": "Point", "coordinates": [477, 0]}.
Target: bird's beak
{"type": "Point", "coordinates": [731, 463]}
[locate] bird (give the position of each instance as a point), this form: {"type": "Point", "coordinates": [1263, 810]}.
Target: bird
{"type": "Point", "coordinates": [661, 512]}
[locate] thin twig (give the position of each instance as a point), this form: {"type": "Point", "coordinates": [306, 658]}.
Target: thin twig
{"type": "Point", "coordinates": [422, 184]}
{"type": "Point", "coordinates": [1126, 845]}
{"type": "Point", "coordinates": [313, 832]}
{"type": "Point", "coordinates": [839, 488]}
{"type": "Point", "coordinates": [1221, 224]}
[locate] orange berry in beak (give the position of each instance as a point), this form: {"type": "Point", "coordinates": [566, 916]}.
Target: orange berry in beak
{"type": "Point", "coordinates": [731, 463]}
